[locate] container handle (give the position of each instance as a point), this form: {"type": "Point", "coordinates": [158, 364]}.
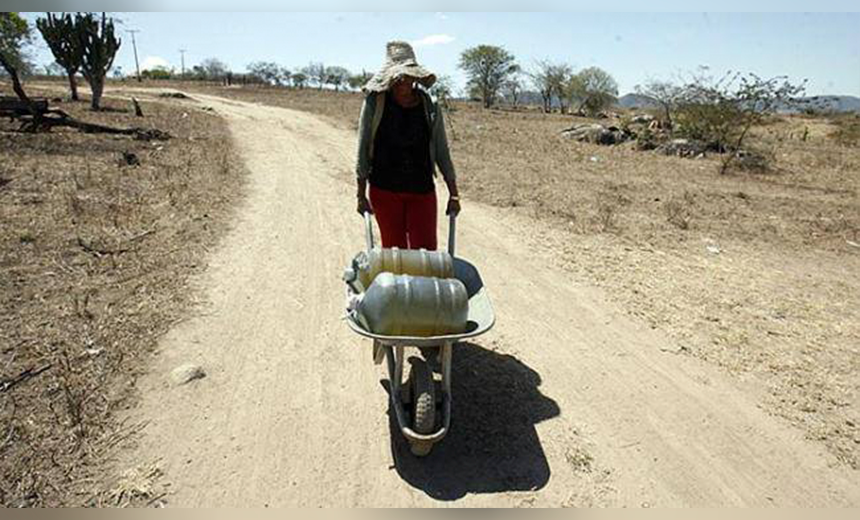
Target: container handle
{"type": "Point", "coordinates": [368, 230]}
{"type": "Point", "coordinates": [452, 232]}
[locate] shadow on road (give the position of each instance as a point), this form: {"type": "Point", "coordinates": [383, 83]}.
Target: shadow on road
{"type": "Point", "coordinates": [492, 445]}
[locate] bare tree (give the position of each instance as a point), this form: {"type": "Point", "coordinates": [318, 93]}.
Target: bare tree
{"type": "Point", "coordinates": [721, 112]}
{"type": "Point", "coordinates": [268, 72]}
{"type": "Point", "coordinates": [357, 81]}
{"type": "Point", "coordinates": [550, 80]}
{"type": "Point", "coordinates": [316, 73]}
{"type": "Point", "coordinates": [336, 76]}
{"type": "Point", "coordinates": [540, 79]}
{"type": "Point", "coordinates": [664, 93]}
{"type": "Point", "coordinates": [212, 69]}
{"type": "Point", "coordinates": [299, 79]}
{"type": "Point", "coordinates": [512, 89]}
{"type": "Point", "coordinates": [284, 76]}
{"type": "Point", "coordinates": [442, 88]}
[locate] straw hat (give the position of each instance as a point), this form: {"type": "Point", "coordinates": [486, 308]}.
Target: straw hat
{"type": "Point", "coordinates": [399, 61]}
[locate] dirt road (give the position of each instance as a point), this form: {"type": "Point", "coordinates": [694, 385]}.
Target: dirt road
{"type": "Point", "coordinates": [566, 402]}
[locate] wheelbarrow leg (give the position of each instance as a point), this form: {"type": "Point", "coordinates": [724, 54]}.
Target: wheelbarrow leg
{"type": "Point", "coordinates": [378, 352]}
{"type": "Point", "coordinates": [394, 357]}
{"type": "Point", "coordinates": [447, 356]}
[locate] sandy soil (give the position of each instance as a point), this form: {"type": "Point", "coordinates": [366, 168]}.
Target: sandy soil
{"type": "Point", "coordinates": [567, 402]}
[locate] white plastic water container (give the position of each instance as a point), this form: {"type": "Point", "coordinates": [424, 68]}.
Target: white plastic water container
{"type": "Point", "coordinates": [405, 305]}
{"type": "Point", "coordinates": [416, 262]}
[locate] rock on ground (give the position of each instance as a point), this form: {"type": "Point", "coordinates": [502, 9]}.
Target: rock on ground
{"type": "Point", "coordinates": [186, 373]}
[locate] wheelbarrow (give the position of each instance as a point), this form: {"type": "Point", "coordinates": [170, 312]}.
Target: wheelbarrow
{"type": "Point", "coordinates": [423, 418]}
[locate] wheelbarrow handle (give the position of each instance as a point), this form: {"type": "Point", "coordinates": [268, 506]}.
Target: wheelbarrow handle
{"type": "Point", "coordinates": [368, 230]}
{"type": "Point", "coordinates": [452, 232]}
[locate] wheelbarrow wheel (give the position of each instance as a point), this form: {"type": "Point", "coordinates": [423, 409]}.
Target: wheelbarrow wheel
{"type": "Point", "coordinates": [423, 398]}
{"type": "Point", "coordinates": [421, 448]}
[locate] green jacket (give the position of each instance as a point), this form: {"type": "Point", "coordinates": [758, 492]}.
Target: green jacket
{"type": "Point", "coordinates": [368, 123]}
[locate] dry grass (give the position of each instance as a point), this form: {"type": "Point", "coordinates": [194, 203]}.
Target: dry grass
{"type": "Point", "coordinates": [847, 132]}
{"type": "Point", "coordinates": [94, 254]}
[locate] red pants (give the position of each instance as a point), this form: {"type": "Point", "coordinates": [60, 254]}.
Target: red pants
{"type": "Point", "coordinates": [406, 220]}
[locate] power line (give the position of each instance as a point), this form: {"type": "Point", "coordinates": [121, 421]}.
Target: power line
{"type": "Point", "coordinates": [134, 44]}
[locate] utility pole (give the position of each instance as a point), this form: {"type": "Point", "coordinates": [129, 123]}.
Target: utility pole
{"type": "Point", "coordinates": [134, 44]}
{"type": "Point", "coordinates": [182, 53]}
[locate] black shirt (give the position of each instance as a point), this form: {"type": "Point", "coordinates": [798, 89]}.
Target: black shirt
{"type": "Point", "coordinates": [401, 150]}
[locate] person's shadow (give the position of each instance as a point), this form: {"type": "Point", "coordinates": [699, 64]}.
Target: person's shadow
{"type": "Point", "coordinates": [492, 445]}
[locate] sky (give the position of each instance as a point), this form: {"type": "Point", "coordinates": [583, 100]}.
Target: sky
{"type": "Point", "coordinates": [634, 47]}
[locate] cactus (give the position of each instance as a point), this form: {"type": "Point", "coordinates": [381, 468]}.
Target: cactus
{"type": "Point", "coordinates": [99, 45]}
{"type": "Point", "coordinates": [59, 34]}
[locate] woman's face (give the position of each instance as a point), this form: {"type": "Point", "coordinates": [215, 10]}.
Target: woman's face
{"type": "Point", "coordinates": [403, 86]}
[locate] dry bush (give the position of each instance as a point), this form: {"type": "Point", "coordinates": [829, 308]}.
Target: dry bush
{"type": "Point", "coordinates": [754, 160]}
{"type": "Point", "coordinates": [609, 204]}
{"type": "Point", "coordinates": [94, 255]}
{"type": "Point", "coordinates": [679, 210]}
{"type": "Point", "coordinates": [847, 131]}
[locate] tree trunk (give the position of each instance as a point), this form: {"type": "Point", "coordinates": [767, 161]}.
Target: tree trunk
{"type": "Point", "coordinates": [73, 86]}
{"type": "Point", "coordinates": [19, 89]}
{"type": "Point", "coordinates": [16, 82]}
{"type": "Point", "coordinates": [98, 86]}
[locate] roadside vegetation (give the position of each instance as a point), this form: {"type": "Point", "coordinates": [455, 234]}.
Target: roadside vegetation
{"type": "Point", "coordinates": [100, 230]}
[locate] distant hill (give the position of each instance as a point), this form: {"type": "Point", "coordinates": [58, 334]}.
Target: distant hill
{"type": "Point", "coordinates": [818, 103]}
{"type": "Point", "coordinates": [636, 101]}
{"type": "Point", "coordinates": [830, 104]}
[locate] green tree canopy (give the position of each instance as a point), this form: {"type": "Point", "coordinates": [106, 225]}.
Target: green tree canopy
{"type": "Point", "coordinates": [593, 89]}
{"type": "Point", "coordinates": [336, 76]}
{"type": "Point", "coordinates": [487, 67]}
{"type": "Point", "coordinates": [359, 80]}
{"type": "Point", "coordinates": [60, 33]}
{"type": "Point", "coordinates": [299, 79]}
{"type": "Point", "coordinates": [212, 69]}
{"type": "Point", "coordinates": [316, 72]}
{"type": "Point", "coordinates": [269, 72]}
{"type": "Point", "coordinates": [15, 34]}
{"type": "Point", "coordinates": [99, 44]}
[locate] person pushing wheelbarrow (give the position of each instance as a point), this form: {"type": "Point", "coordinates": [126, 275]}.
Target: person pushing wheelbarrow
{"type": "Point", "coordinates": [401, 142]}
{"type": "Point", "coordinates": [407, 294]}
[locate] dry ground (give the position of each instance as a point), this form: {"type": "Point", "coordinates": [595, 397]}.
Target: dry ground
{"type": "Point", "coordinates": [94, 255]}
{"type": "Point", "coordinates": [755, 272]}
{"type": "Point", "coordinates": [566, 402]}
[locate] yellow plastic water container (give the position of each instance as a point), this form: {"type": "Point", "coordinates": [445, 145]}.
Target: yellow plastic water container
{"type": "Point", "coordinates": [405, 305]}
{"type": "Point", "coordinates": [416, 262]}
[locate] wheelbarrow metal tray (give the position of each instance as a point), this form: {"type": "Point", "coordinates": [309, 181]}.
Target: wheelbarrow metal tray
{"type": "Point", "coordinates": [480, 318]}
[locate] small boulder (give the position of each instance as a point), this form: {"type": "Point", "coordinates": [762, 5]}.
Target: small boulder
{"type": "Point", "coordinates": [186, 373]}
{"type": "Point", "coordinates": [683, 148]}
{"type": "Point", "coordinates": [641, 119]}
{"type": "Point", "coordinates": [174, 95]}
{"type": "Point", "coordinates": [596, 134]}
